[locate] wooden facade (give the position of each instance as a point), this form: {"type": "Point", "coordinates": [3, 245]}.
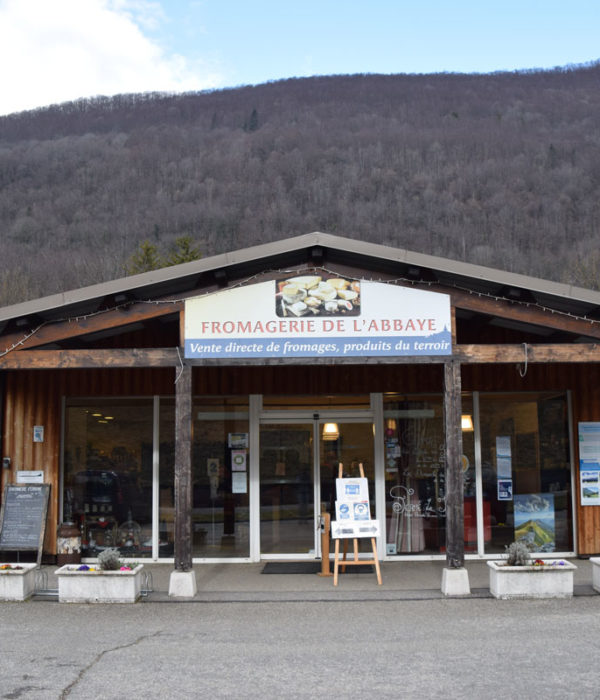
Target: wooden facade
{"type": "Point", "coordinates": [45, 360]}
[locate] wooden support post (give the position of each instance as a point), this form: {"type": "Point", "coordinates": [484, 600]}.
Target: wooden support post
{"type": "Point", "coordinates": [455, 545]}
{"type": "Point", "coordinates": [183, 469]}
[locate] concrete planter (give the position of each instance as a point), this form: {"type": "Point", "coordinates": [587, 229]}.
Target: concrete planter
{"type": "Point", "coordinates": [595, 573]}
{"type": "Point", "coordinates": [98, 586]}
{"type": "Point", "coordinates": [17, 584]}
{"type": "Point", "coordinates": [546, 581]}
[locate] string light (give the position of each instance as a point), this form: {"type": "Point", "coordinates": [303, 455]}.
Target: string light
{"type": "Point", "coordinates": [294, 271]}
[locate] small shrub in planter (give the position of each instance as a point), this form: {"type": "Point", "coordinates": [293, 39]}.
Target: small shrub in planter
{"type": "Point", "coordinates": [111, 581]}
{"type": "Point", "coordinates": [519, 577]}
{"type": "Point", "coordinates": [518, 554]}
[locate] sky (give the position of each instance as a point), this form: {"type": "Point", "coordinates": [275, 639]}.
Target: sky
{"type": "Point", "coordinates": [53, 51]}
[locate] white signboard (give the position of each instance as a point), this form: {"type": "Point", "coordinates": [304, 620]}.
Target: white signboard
{"type": "Point", "coordinates": [318, 316]}
{"type": "Point", "coordinates": [30, 477]}
{"type": "Point", "coordinates": [352, 489]}
{"type": "Point", "coordinates": [352, 511]}
{"type": "Point", "coordinates": [342, 529]}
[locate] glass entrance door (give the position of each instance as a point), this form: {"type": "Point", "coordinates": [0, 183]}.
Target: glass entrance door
{"type": "Point", "coordinates": [287, 478]}
{"type": "Point", "coordinates": [350, 444]}
{"type": "Point", "coordinates": [299, 462]}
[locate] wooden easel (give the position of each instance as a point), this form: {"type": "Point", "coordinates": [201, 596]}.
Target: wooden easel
{"type": "Point", "coordinates": [356, 561]}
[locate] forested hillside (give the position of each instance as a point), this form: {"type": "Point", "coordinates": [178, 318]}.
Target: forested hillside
{"type": "Point", "coordinates": [500, 169]}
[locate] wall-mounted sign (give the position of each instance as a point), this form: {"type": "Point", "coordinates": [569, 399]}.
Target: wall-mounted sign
{"type": "Point", "coordinates": [589, 463]}
{"type": "Point", "coordinates": [38, 433]}
{"type": "Point", "coordinates": [30, 477]}
{"type": "Point", "coordinates": [318, 316]}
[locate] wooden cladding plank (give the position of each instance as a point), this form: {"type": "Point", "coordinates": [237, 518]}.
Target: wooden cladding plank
{"type": "Point", "coordinates": [82, 359]}
{"type": "Point", "coordinates": [54, 332]}
{"type": "Point", "coordinates": [586, 408]}
{"type": "Point", "coordinates": [28, 403]}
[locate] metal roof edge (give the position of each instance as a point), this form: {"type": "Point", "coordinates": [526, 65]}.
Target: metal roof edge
{"type": "Point", "coordinates": [350, 245]}
{"type": "Point", "coordinates": [154, 277]}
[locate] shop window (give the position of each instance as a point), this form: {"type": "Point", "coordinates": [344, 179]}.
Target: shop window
{"type": "Point", "coordinates": [526, 472]}
{"type": "Point", "coordinates": [220, 476]}
{"type": "Point", "coordinates": [108, 474]}
{"type": "Point", "coordinates": [415, 475]}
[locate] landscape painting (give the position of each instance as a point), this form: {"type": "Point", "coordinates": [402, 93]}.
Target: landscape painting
{"type": "Point", "coordinates": [534, 521]}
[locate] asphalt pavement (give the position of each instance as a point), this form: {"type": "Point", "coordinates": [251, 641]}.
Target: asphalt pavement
{"type": "Point", "coordinates": [249, 635]}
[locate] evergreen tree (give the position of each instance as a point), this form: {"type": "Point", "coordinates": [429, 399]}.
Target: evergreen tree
{"type": "Point", "coordinates": [145, 259]}
{"type": "Point", "coordinates": [182, 251]}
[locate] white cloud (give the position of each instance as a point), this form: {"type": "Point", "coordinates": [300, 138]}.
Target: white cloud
{"type": "Point", "coordinates": [57, 50]}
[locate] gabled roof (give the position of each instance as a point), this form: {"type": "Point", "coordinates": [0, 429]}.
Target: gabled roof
{"type": "Point", "coordinates": [312, 249]}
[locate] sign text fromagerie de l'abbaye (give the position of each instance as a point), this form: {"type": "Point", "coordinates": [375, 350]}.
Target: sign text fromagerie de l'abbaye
{"type": "Point", "coordinates": [317, 316]}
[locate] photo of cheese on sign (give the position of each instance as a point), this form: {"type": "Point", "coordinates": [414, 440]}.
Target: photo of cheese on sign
{"type": "Point", "coordinates": [314, 295]}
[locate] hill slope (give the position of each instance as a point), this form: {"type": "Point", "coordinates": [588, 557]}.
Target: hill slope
{"type": "Point", "coordinates": [500, 169]}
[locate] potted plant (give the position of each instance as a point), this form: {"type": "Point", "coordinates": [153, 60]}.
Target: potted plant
{"type": "Point", "coordinates": [595, 561]}
{"type": "Point", "coordinates": [518, 576]}
{"type": "Point", "coordinates": [17, 581]}
{"type": "Point", "coordinates": [111, 581]}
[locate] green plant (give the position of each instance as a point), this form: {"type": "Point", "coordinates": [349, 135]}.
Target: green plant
{"type": "Point", "coordinates": [518, 554]}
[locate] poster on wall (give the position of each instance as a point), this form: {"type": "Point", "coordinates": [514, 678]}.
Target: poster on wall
{"type": "Point", "coordinates": [238, 460]}
{"type": "Point", "coordinates": [239, 482]}
{"type": "Point", "coordinates": [317, 316]}
{"type": "Point", "coordinates": [505, 489]}
{"type": "Point", "coordinates": [535, 521]}
{"type": "Point", "coordinates": [237, 441]}
{"type": "Point", "coordinates": [503, 457]}
{"type": "Point", "coordinates": [589, 463]}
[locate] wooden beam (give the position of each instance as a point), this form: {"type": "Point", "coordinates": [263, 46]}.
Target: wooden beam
{"type": "Point", "coordinates": [183, 469]}
{"type": "Point", "coordinates": [54, 332]}
{"type": "Point", "coordinates": [168, 357]}
{"type": "Point", "coordinates": [84, 359]}
{"type": "Point", "coordinates": [519, 353]}
{"type": "Point", "coordinates": [524, 313]}
{"type": "Point", "coordinates": [455, 544]}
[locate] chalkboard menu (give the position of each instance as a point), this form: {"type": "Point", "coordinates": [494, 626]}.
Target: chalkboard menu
{"type": "Point", "coordinates": [23, 517]}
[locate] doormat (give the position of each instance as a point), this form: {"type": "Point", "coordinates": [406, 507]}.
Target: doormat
{"type": "Point", "coordinates": [308, 567]}
{"type": "Point", "coordinates": [291, 567]}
